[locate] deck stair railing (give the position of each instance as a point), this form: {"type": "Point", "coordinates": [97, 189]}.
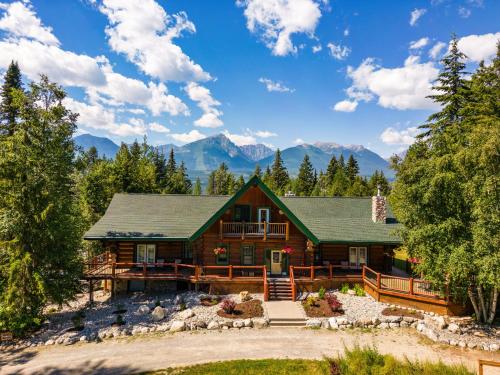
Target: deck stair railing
{"type": "Point", "coordinates": [98, 264]}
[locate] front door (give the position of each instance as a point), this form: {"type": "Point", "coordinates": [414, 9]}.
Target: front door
{"type": "Point", "coordinates": [263, 215]}
{"type": "Point", "coordinates": [276, 262]}
{"type": "Point", "coordinates": [357, 257]}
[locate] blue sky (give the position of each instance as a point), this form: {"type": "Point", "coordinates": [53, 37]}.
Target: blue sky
{"type": "Point", "coordinates": [278, 72]}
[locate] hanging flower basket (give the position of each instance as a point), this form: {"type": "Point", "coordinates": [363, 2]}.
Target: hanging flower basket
{"type": "Point", "coordinates": [287, 250]}
{"type": "Point", "coordinates": [219, 250]}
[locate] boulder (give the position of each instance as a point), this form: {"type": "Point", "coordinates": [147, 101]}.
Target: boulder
{"type": "Point", "coordinates": [404, 324]}
{"type": "Point", "coordinates": [453, 342]}
{"type": "Point", "coordinates": [245, 296]}
{"type": "Point", "coordinates": [393, 325]}
{"type": "Point", "coordinates": [421, 327]}
{"type": "Point", "coordinates": [471, 345]}
{"type": "Point", "coordinates": [185, 314]}
{"type": "Point", "coordinates": [375, 321]}
{"type": "Point", "coordinates": [163, 328]}
{"type": "Point", "coordinates": [439, 322]}
{"type": "Point", "coordinates": [383, 325]}
{"type": "Point", "coordinates": [431, 334]}
{"type": "Point", "coordinates": [213, 325]}
{"type": "Point", "coordinates": [325, 324]}
{"type": "Point", "coordinates": [248, 322]}
{"type": "Point", "coordinates": [493, 347]}
{"type": "Point", "coordinates": [158, 313]}
{"type": "Point", "coordinates": [143, 310]}
{"type": "Point", "coordinates": [462, 344]}
{"type": "Point", "coordinates": [238, 323]}
{"type": "Point", "coordinates": [259, 322]}
{"type": "Point", "coordinates": [313, 323]}
{"type": "Point", "coordinates": [454, 328]}
{"type": "Point", "coordinates": [201, 324]}
{"type": "Point", "coordinates": [409, 319]}
{"type": "Point", "coordinates": [178, 326]}
{"type": "Point", "coordinates": [342, 321]}
{"type": "Point", "coordinates": [50, 342]}
{"type": "Point", "coordinates": [351, 292]}
{"type": "Point", "coordinates": [69, 341]}
{"type": "Point", "coordinates": [178, 299]}
{"type": "Point", "coordinates": [395, 319]}
{"type": "Point", "coordinates": [364, 322]}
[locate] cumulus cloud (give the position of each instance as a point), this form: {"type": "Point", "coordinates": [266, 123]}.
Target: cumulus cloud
{"type": "Point", "coordinates": [421, 43]}
{"type": "Point", "coordinates": [345, 106]}
{"type": "Point", "coordinates": [203, 98]}
{"type": "Point", "coordinates": [436, 50]}
{"type": "Point", "coordinates": [240, 139]}
{"type": "Point", "coordinates": [479, 47]}
{"type": "Point", "coordinates": [392, 136]}
{"type": "Point", "coordinates": [338, 51]}
{"type": "Point", "coordinates": [193, 135]}
{"type": "Point", "coordinates": [299, 141]}
{"type": "Point", "coordinates": [144, 33]}
{"type": "Point", "coordinates": [317, 48]}
{"type": "Point", "coordinates": [415, 15]}
{"type": "Point", "coordinates": [274, 86]}
{"type": "Point", "coordinates": [265, 134]}
{"type": "Point", "coordinates": [158, 128]}
{"type": "Point", "coordinates": [275, 21]}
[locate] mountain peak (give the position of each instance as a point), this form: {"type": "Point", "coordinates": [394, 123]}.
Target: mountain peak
{"type": "Point", "coordinates": [330, 146]}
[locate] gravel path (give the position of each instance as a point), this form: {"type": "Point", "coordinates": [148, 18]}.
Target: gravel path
{"type": "Point", "coordinates": [131, 355]}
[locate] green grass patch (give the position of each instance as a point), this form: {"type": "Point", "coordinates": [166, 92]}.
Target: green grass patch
{"type": "Point", "coordinates": [355, 361]}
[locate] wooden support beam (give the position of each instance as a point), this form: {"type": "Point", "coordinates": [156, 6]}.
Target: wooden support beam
{"type": "Point", "coordinates": [312, 272]}
{"type": "Point", "coordinates": [220, 229]}
{"type": "Point", "coordinates": [265, 230]}
{"type": "Point", "coordinates": [330, 269]}
{"type": "Point", "coordinates": [379, 281]}
{"type": "Point", "coordinates": [287, 233]}
{"type": "Point", "coordinates": [91, 292]}
{"type": "Point", "coordinates": [411, 286]}
{"type": "Point", "coordinates": [230, 272]}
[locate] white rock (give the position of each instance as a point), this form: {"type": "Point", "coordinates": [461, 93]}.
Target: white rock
{"type": "Point", "coordinates": [144, 330]}
{"type": "Point", "coordinates": [404, 324]}
{"type": "Point", "coordinates": [393, 325]}
{"type": "Point", "coordinates": [214, 325]}
{"type": "Point", "coordinates": [245, 296]}
{"type": "Point", "coordinates": [431, 334]}
{"type": "Point", "coordinates": [83, 338]}
{"type": "Point", "coordinates": [453, 342]}
{"type": "Point", "coordinates": [177, 326]}
{"type": "Point", "coordinates": [493, 347]}
{"type": "Point", "coordinates": [259, 322]}
{"type": "Point", "coordinates": [248, 322]}
{"type": "Point", "coordinates": [395, 319]}
{"type": "Point", "coordinates": [440, 322]}
{"type": "Point", "coordinates": [375, 321]}
{"type": "Point", "coordinates": [178, 299]}
{"type": "Point", "coordinates": [342, 321]}
{"type": "Point", "coordinates": [471, 345]}
{"type": "Point", "coordinates": [351, 292]}
{"type": "Point", "coordinates": [50, 342]}
{"type": "Point", "coordinates": [164, 327]}
{"type": "Point", "coordinates": [69, 341]}
{"type": "Point", "coordinates": [186, 314]}
{"type": "Point", "coordinates": [462, 344]}
{"type": "Point", "coordinates": [313, 323]}
{"type": "Point", "coordinates": [420, 327]}
{"type": "Point", "coordinates": [444, 340]}
{"type": "Point", "coordinates": [409, 319]}
{"type": "Point", "coordinates": [225, 327]}
{"type": "Point", "coordinates": [143, 310]}
{"type": "Point", "coordinates": [325, 324]}
{"type": "Point", "coordinates": [238, 323]}
{"type": "Point", "coordinates": [383, 325]}
{"type": "Point", "coordinates": [454, 328]}
{"type": "Point", "coordinates": [158, 313]}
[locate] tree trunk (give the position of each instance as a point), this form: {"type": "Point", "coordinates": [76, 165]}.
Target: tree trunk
{"type": "Point", "coordinates": [481, 302]}
{"type": "Point", "coordinates": [473, 300]}
{"type": "Point", "coordinates": [493, 307]}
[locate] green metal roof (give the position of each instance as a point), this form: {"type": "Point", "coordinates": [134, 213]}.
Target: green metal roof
{"type": "Point", "coordinates": [343, 219]}
{"type": "Point", "coordinates": [186, 217]}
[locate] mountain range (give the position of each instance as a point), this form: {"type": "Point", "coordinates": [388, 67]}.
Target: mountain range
{"type": "Point", "coordinates": [205, 155]}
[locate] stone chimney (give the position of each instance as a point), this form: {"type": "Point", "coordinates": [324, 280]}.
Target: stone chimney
{"type": "Point", "coordinates": [379, 208]}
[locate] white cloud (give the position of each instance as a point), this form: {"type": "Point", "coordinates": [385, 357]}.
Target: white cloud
{"type": "Point", "coordinates": [338, 52]}
{"type": "Point", "coordinates": [405, 87]}
{"type": "Point", "coordinates": [203, 98]}
{"type": "Point", "coordinates": [265, 134]}
{"type": "Point", "coordinates": [193, 135]}
{"type": "Point", "coordinates": [21, 21]}
{"type": "Point", "coordinates": [464, 12]}
{"type": "Point", "coordinates": [277, 20]}
{"type": "Point", "coordinates": [144, 32]}
{"type": "Point", "coordinates": [346, 32]}
{"type": "Point", "coordinates": [392, 136]}
{"type": "Point", "coordinates": [479, 47]}
{"type": "Point", "coordinates": [435, 51]}
{"type": "Point", "coordinates": [345, 106]}
{"type": "Point", "coordinates": [158, 128]}
{"type": "Point", "coordinates": [299, 141]}
{"type": "Point", "coordinates": [415, 15]}
{"type": "Point", "coordinates": [317, 48]}
{"type": "Point", "coordinates": [275, 86]}
{"type": "Point", "coordinates": [240, 139]}
{"type": "Point", "coordinates": [417, 44]}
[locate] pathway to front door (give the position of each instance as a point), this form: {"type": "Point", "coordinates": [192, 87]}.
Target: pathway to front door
{"type": "Point", "coordinates": [285, 314]}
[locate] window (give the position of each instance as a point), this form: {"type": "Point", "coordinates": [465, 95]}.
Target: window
{"type": "Point", "coordinates": [187, 250]}
{"type": "Point", "coordinates": [357, 257]}
{"type": "Point", "coordinates": [222, 258]}
{"type": "Point", "coordinates": [242, 212]}
{"type": "Point", "coordinates": [146, 253]}
{"type": "Point", "coordinates": [247, 255]}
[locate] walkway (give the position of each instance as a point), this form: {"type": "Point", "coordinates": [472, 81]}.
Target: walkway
{"type": "Point", "coordinates": [284, 313]}
{"type": "Point", "coordinates": [138, 354]}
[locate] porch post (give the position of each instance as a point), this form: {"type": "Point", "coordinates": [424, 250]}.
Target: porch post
{"type": "Point", "coordinates": [265, 230]}
{"type": "Point", "coordinates": [91, 292]}
{"type": "Point", "coordinates": [330, 266]}
{"type": "Point", "coordinates": [411, 285]}
{"type": "Point", "coordinates": [312, 272]}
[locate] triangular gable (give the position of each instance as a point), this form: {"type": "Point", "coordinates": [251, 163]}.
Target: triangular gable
{"type": "Point", "coordinates": [256, 181]}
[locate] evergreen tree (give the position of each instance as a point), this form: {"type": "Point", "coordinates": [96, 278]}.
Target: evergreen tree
{"type": "Point", "coordinates": [9, 112]}
{"type": "Point", "coordinates": [377, 180]}
{"type": "Point", "coordinates": [279, 174]}
{"type": "Point", "coordinates": [221, 181]}
{"type": "Point", "coordinates": [197, 187]}
{"type": "Point", "coordinates": [239, 183]}
{"type": "Point", "coordinates": [122, 169]}
{"type": "Point", "coordinates": [352, 168]}
{"type": "Point", "coordinates": [170, 172]}
{"type": "Point", "coordinates": [39, 230]}
{"type": "Point", "coordinates": [340, 183]}
{"type": "Point", "coordinates": [358, 188]}
{"type": "Point", "coordinates": [181, 182]}
{"type": "Point", "coordinates": [257, 172]}
{"type": "Point", "coordinates": [333, 165]}
{"type": "Point", "coordinates": [266, 177]}
{"type": "Point", "coordinates": [321, 186]}
{"type": "Point", "coordinates": [158, 160]}
{"type": "Point", "coordinates": [305, 178]}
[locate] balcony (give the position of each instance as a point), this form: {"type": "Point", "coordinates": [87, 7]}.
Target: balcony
{"type": "Point", "coordinates": [263, 230]}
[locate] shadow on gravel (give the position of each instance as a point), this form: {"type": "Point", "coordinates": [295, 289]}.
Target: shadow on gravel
{"type": "Point", "coordinates": [87, 368]}
{"type": "Point", "coordinates": [15, 357]}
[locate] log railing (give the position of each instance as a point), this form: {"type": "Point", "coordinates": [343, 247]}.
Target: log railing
{"type": "Point", "coordinates": [401, 285]}
{"type": "Point", "coordinates": [98, 263]}
{"type": "Point", "coordinates": [315, 272]}
{"type": "Point", "coordinates": [266, 286]}
{"type": "Point", "coordinates": [262, 229]}
{"type": "Point", "coordinates": [231, 272]}
{"type": "Point", "coordinates": [292, 284]}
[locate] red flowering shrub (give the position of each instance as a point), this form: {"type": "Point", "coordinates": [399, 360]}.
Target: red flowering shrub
{"type": "Point", "coordinates": [228, 305]}
{"type": "Point", "coordinates": [333, 302]}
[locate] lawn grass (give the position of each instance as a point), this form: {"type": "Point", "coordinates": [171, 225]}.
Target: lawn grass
{"type": "Point", "coordinates": [356, 361]}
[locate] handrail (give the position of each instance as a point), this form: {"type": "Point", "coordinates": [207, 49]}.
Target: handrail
{"type": "Point", "coordinates": [266, 291]}
{"type": "Point", "coordinates": [483, 362]}
{"type": "Point", "coordinates": [292, 284]}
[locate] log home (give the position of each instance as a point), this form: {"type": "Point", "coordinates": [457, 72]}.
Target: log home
{"type": "Point", "coordinates": [252, 240]}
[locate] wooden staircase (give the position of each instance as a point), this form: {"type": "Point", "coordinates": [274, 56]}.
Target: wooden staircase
{"type": "Point", "coordinates": [280, 290]}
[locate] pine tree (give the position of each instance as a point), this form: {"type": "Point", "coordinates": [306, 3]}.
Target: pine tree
{"type": "Point", "coordinates": [9, 112]}
{"type": "Point", "coordinates": [122, 169]}
{"type": "Point", "coordinates": [352, 168]}
{"type": "Point", "coordinates": [181, 182]}
{"type": "Point", "coordinates": [279, 174]}
{"type": "Point", "coordinates": [197, 187]}
{"type": "Point", "coordinates": [341, 162]}
{"type": "Point", "coordinates": [340, 183]}
{"type": "Point", "coordinates": [221, 181]}
{"type": "Point", "coordinates": [333, 165]}
{"type": "Point", "coordinates": [305, 178]}
{"type": "Point", "coordinates": [170, 172]}
{"type": "Point", "coordinates": [266, 177]}
{"type": "Point", "coordinates": [39, 230]}
{"type": "Point", "coordinates": [239, 183]}
{"type": "Point", "coordinates": [257, 172]}
{"type": "Point", "coordinates": [158, 159]}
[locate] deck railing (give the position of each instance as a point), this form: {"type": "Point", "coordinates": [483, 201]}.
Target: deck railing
{"type": "Point", "coordinates": [401, 285]}
{"type": "Point", "coordinates": [292, 284]}
{"type": "Point", "coordinates": [266, 286]}
{"type": "Point", "coordinates": [315, 272]}
{"type": "Point", "coordinates": [253, 230]}
{"type": "Point", "coordinates": [231, 272]}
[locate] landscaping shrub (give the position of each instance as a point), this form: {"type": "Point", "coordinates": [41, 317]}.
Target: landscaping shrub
{"type": "Point", "coordinates": [344, 288]}
{"type": "Point", "coordinates": [321, 293]}
{"type": "Point", "coordinates": [310, 301]}
{"type": "Point", "coordinates": [333, 302]}
{"type": "Point", "coordinates": [228, 306]}
{"type": "Point", "coordinates": [360, 292]}
{"type": "Point", "coordinates": [119, 320]}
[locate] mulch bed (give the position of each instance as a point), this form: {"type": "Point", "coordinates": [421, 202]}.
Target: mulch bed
{"type": "Point", "coordinates": [396, 311]}
{"type": "Point", "coordinates": [207, 302]}
{"type": "Point", "coordinates": [244, 310]}
{"type": "Point", "coordinates": [321, 310]}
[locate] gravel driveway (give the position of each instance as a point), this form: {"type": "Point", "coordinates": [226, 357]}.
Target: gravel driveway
{"type": "Point", "coordinates": [131, 355]}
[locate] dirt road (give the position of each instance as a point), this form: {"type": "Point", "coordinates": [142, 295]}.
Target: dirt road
{"type": "Point", "coordinates": [135, 354]}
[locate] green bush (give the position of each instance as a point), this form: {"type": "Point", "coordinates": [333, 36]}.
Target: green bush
{"type": "Point", "coordinates": [310, 302]}
{"type": "Point", "coordinates": [344, 288]}
{"type": "Point", "coordinates": [321, 293]}
{"type": "Point", "coordinates": [360, 292]}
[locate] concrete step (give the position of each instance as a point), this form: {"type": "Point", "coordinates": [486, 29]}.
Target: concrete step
{"type": "Point", "coordinates": [287, 323]}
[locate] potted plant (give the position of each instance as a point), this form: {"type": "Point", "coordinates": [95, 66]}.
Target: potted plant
{"type": "Point", "coordinates": [287, 250]}
{"type": "Point", "coordinates": [219, 250]}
